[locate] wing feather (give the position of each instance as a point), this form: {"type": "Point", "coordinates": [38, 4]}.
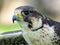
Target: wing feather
{"type": "Point", "coordinates": [12, 38]}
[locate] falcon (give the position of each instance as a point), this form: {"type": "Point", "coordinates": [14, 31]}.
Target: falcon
{"type": "Point", "coordinates": [37, 29]}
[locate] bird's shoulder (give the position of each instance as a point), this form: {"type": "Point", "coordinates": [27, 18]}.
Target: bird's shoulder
{"type": "Point", "coordinates": [56, 25]}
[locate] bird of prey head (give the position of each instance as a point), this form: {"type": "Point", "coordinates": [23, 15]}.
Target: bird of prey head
{"type": "Point", "coordinates": [28, 18]}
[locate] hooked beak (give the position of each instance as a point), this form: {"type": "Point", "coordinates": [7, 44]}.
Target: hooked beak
{"type": "Point", "coordinates": [14, 18]}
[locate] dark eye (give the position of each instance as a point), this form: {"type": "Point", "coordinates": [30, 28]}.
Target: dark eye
{"type": "Point", "coordinates": [31, 11]}
{"type": "Point", "coordinates": [26, 12]}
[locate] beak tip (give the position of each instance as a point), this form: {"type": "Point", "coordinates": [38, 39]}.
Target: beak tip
{"type": "Point", "coordinates": [13, 21]}
{"type": "Point", "coordinates": [14, 18]}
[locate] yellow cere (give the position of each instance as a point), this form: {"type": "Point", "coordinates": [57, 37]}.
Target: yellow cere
{"type": "Point", "coordinates": [19, 15]}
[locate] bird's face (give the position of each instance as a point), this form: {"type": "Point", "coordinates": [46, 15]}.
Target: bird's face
{"type": "Point", "coordinates": [28, 18]}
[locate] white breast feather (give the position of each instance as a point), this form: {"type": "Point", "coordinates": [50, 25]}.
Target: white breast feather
{"type": "Point", "coordinates": [36, 23]}
{"type": "Point", "coordinates": [40, 37]}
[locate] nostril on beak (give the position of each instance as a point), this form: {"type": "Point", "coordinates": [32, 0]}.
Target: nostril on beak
{"type": "Point", "coordinates": [14, 18]}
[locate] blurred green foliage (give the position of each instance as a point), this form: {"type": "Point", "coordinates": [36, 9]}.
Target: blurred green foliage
{"type": "Point", "coordinates": [5, 28]}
